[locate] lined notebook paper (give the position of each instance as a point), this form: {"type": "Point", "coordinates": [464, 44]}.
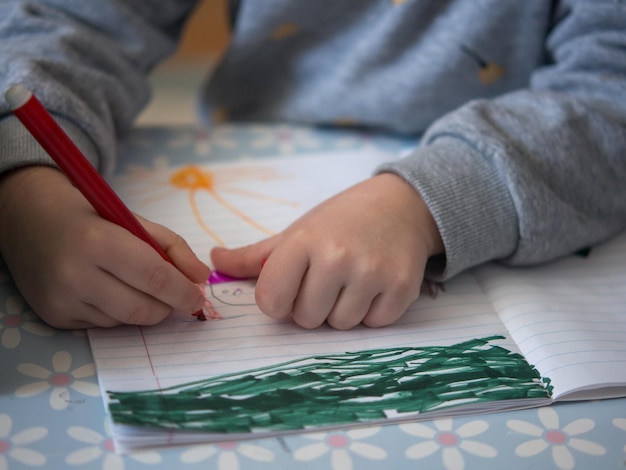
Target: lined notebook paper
{"type": "Point", "coordinates": [181, 349]}
{"type": "Point", "coordinates": [568, 318]}
{"type": "Point", "coordinates": [495, 339]}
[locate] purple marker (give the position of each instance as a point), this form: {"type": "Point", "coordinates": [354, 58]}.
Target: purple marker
{"type": "Point", "coordinates": [217, 277]}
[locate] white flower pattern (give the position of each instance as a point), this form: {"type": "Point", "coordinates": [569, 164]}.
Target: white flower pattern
{"type": "Point", "coordinates": [101, 446]}
{"type": "Point", "coordinates": [227, 454]}
{"type": "Point", "coordinates": [550, 435]}
{"type": "Point", "coordinates": [15, 317]}
{"type": "Point", "coordinates": [204, 141]}
{"type": "Point", "coordinates": [61, 379]}
{"type": "Point", "coordinates": [443, 436]}
{"type": "Point", "coordinates": [12, 446]}
{"type": "Point", "coordinates": [341, 445]}
{"type": "Point", "coordinates": [285, 139]}
{"type": "Point", "coordinates": [620, 423]}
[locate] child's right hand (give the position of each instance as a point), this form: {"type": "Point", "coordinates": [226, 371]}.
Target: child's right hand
{"type": "Point", "coordinates": [77, 270]}
{"type": "Point", "coordinates": [358, 257]}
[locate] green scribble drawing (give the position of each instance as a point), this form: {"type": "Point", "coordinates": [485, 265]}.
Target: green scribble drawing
{"type": "Point", "coordinates": [335, 389]}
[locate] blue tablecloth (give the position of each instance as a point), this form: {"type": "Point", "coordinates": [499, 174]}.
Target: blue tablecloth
{"type": "Point", "coordinates": [52, 415]}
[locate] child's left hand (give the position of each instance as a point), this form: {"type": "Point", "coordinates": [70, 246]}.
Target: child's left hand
{"type": "Point", "coordinates": [358, 257]}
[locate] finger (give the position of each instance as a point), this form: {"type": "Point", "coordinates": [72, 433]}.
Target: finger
{"type": "Point", "coordinates": [245, 261]}
{"type": "Point", "coordinates": [317, 297]}
{"type": "Point", "coordinates": [147, 272]}
{"type": "Point", "coordinates": [179, 251]}
{"type": "Point", "coordinates": [279, 281]}
{"type": "Point", "coordinates": [395, 299]}
{"type": "Point", "coordinates": [386, 309]}
{"type": "Point", "coordinates": [93, 317]}
{"type": "Point", "coordinates": [82, 325]}
{"type": "Point", "coordinates": [119, 301]}
{"type": "Point", "coordinates": [66, 315]}
{"type": "Point", "coordinates": [351, 307]}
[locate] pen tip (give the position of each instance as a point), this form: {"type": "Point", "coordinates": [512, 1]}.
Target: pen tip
{"type": "Point", "coordinates": [17, 96]}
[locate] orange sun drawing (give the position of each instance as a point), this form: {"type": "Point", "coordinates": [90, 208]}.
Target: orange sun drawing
{"type": "Point", "coordinates": [216, 183]}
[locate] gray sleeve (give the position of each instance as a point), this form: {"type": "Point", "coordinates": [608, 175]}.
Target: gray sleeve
{"type": "Point", "coordinates": [541, 172]}
{"type": "Point", "coordinates": [87, 62]}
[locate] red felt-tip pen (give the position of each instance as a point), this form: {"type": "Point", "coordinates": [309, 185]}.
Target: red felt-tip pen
{"type": "Point", "coordinates": [36, 119]}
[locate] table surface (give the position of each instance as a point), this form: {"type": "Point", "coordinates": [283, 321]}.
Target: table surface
{"type": "Point", "coordinates": [52, 415]}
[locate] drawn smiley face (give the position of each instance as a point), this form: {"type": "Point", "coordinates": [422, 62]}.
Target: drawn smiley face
{"type": "Point", "coordinates": [235, 293]}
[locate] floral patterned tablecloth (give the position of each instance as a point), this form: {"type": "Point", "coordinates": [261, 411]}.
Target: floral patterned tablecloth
{"type": "Point", "coordinates": [52, 415]}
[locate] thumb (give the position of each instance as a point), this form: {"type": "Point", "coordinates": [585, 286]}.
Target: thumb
{"type": "Point", "coordinates": [243, 262]}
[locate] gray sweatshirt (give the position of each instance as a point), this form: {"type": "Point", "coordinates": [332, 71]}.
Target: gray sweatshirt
{"type": "Point", "coordinates": [520, 105]}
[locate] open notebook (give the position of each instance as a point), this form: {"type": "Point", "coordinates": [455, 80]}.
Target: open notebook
{"type": "Point", "coordinates": [492, 339]}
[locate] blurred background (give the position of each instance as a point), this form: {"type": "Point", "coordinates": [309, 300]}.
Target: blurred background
{"type": "Point", "coordinates": [176, 82]}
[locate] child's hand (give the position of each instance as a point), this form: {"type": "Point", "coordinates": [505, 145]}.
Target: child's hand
{"type": "Point", "coordinates": [78, 270]}
{"type": "Point", "coordinates": [358, 257]}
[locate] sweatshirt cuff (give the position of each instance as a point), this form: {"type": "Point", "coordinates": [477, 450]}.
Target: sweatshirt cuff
{"type": "Point", "coordinates": [469, 201]}
{"type": "Point", "coordinates": [19, 148]}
